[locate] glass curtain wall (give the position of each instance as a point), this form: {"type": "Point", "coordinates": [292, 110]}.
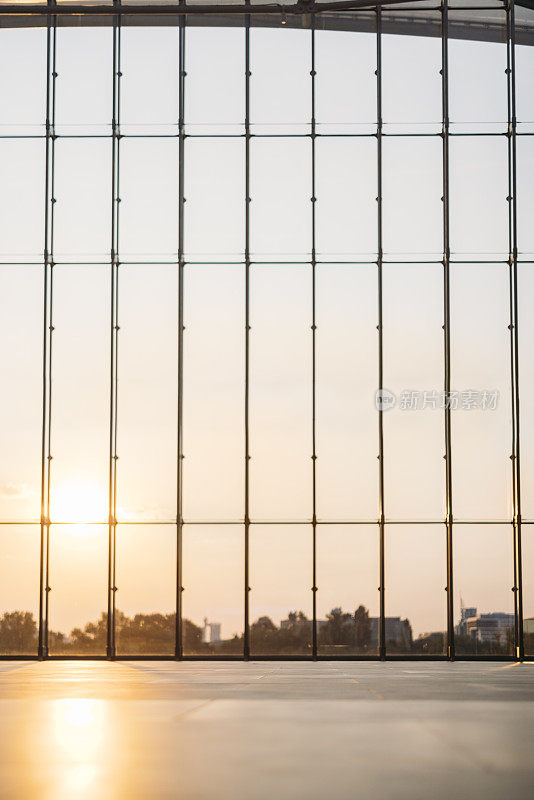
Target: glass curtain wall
{"type": "Point", "coordinates": [266, 311]}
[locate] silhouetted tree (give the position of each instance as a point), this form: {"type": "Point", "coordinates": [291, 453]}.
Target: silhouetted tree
{"type": "Point", "coordinates": [192, 637]}
{"type": "Point", "coordinates": [362, 628]}
{"type": "Point", "coordinates": [93, 637]}
{"type": "Point", "coordinates": [292, 637]}
{"type": "Point", "coordinates": [339, 628]}
{"type": "Point", "coordinates": [344, 631]}
{"type": "Point", "coordinates": [18, 632]}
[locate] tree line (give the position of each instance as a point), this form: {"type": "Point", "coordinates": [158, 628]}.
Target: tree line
{"type": "Point", "coordinates": [154, 634]}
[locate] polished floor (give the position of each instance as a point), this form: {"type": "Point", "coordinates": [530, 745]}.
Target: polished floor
{"type": "Point", "coordinates": [258, 731]}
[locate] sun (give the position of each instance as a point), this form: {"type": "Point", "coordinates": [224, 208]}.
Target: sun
{"type": "Point", "coordinates": [80, 503]}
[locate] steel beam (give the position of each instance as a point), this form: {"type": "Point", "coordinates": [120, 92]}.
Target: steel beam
{"type": "Point", "coordinates": [48, 329]}
{"type": "Point", "coordinates": [182, 9]}
{"type": "Point", "coordinates": [447, 325]}
{"type": "Point", "coordinates": [314, 348]}
{"type": "Point", "coordinates": [246, 620]}
{"type": "Point", "coordinates": [379, 262]}
{"type": "Point", "coordinates": [114, 336]}
{"type": "Point", "coordinates": [514, 327]}
{"type": "Point", "coordinates": [178, 645]}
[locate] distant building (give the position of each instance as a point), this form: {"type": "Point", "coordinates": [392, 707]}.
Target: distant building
{"type": "Point", "coordinates": [468, 612]}
{"type": "Point", "coordinates": [398, 632]}
{"type": "Point", "coordinates": [528, 625]}
{"type": "Point", "coordinates": [493, 627]}
{"type": "Point", "coordinates": [211, 632]}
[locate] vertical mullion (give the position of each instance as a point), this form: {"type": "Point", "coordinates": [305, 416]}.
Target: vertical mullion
{"type": "Point", "coordinates": [514, 334]}
{"type": "Point", "coordinates": [447, 323]}
{"type": "Point", "coordinates": [48, 328]}
{"type": "Point", "coordinates": [178, 645]}
{"type": "Point", "coordinates": [246, 624]}
{"type": "Point", "coordinates": [314, 328]}
{"type": "Point", "coordinates": [114, 331]}
{"type": "Point", "coordinates": [116, 326]}
{"type": "Point", "coordinates": [382, 627]}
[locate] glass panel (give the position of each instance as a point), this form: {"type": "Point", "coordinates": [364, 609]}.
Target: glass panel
{"type": "Point", "coordinates": [346, 374]}
{"type": "Point", "coordinates": [149, 84]}
{"type": "Point", "coordinates": [413, 372]}
{"type": "Point", "coordinates": [148, 223]}
{"type": "Point", "coordinates": [148, 392]}
{"type": "Point", "coordinates": [213, 580]}
{"type": "Point", "coordinates": [19, 589]}
{"type": "Point", "coordinates": [483, 578]}
{"type": "Point", "coordinates": [214, 393]}
{"type": "Point", "coordinates": [21, 365]}
{"type": "Point", "coordinates": [412, 189]}
{"type": "Point", "coordinates": [22, 167]}
{"type": "Point", "coordinates": [80, 394]}
{"type": "Point", "coordinates": [524, 81]}
{"type": "Point", "coordinates": [84, 63]}
{"type": "Point", "coordinates": [215, 209]}
{"type": "Point", "coordinates": [345, 86]}
{"type": "Point", "coordinates": [280, 393]}
{"type": "Point", "coordinates": [82, 213]}
{"type": "Point", "coordinates": [478, 192]}
{"type": "Point", "coordinates": [477, 82]}
{"type": "Point", "coordinates": [146, 598]}
{"type": "Point", "coordinates": [480, 376]}
{"type": "Point", "coordinates": [346, 215]}
{"type": "Point", "coordinates": [527, 540]}
{"type": "Point", "coordinates": [416, 575]}
{"type": "Point", "coordinates": [79, 582]}
{"type": "Point", "coordinates": [525, 196]}
{"type": "Point", "coordinates": [23, 85]}
{"type": "Point", "coordinates": [281, 597]}
{"type": "Point", "coordinates": [526, 386]}
{"type": "Point", "coordinates": [411, 83]}
{"type": "Point", "coordinates": [216, 86]}
{"type": "Point", "coordinates": [281, 87]}
{"type": "Point", "coordinates": [347, 597]}
{"type": "Point", "coordinates": [281, 213]}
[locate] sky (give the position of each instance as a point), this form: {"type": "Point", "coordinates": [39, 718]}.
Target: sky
{"type": "Point", "coordinates": [280, 337]}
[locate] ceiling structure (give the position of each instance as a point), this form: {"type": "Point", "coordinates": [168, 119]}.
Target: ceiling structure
{"type": "Point", "coordinates": [481, 20]}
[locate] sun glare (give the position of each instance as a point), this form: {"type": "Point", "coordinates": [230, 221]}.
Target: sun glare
{"type": "Point", "coordinates": [79, 503]}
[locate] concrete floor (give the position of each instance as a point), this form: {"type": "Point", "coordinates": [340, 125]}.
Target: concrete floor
{"type": "Point", "coordinates": [236, 731]}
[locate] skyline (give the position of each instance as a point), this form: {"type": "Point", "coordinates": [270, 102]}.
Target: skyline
{"type": "Point", "coordinates": [334, 630]}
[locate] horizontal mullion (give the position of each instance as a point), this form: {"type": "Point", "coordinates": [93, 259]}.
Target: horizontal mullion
{"type": "Point", "coordinates": [266, 262]}
{"type": "Point", "coordinates": [276, 522]}
{"type": "Point", "coordinates": [385, 134]}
